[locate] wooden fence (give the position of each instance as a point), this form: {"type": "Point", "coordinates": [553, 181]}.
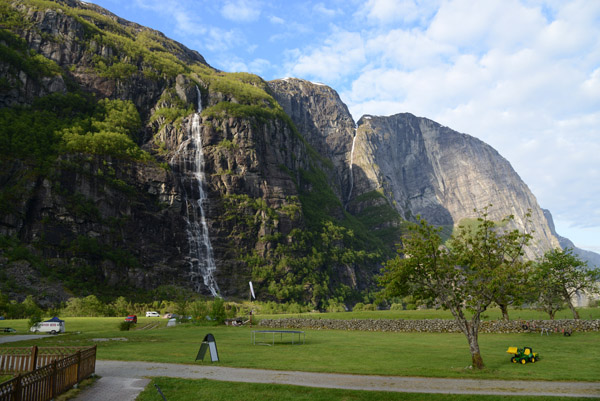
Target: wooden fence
{"type": "Point", "coordinates": [61, 369]}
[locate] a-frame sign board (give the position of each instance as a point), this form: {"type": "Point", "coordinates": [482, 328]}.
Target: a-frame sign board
{"type": "Point", "coordinates": [208, 344]}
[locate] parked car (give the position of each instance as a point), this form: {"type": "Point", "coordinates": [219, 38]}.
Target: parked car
{"type": "Point", "coordinates": [52, 326]}
{"type": "Point", "coordinates": [131, 318]}
{"type": "Point", "coordinates": [8, 330]}
{"type": "Point", "coordinates": [152, 314]}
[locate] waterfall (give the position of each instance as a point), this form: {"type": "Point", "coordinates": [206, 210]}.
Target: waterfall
{"type": "Point", "coordinates": [351, 161]}
{"type": "Point", "coordinates": [191, 158]}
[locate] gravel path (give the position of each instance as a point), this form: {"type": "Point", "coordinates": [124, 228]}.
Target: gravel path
{"type": "Point", "coordinates": [121, 381]}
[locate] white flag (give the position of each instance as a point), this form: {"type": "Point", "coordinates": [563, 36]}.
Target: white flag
{"type": "Point", "coordinates": [252, 290]}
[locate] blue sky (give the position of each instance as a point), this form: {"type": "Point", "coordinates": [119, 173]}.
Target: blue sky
{"type": "Point", "coordinates": [521, 75]}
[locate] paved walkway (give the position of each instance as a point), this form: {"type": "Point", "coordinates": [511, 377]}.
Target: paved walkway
{"type": "Point", "coordinates": [22, 337]}
{"type": "Point", "coordinates": [122, 381]}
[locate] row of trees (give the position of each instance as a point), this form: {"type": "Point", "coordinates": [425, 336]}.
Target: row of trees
{"type": "Point", "coordinates": [481, 265]}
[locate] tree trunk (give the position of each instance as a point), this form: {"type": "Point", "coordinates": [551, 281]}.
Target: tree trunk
{"type": "Point", "coordinates": [476, 358]}
{"type": "Point", "coordinates": [471, 330]}
{"type": "Point", "coordinates": [504, 309]}
{"type": "Point", "coordinates": [567, 298]}
{"type": "Point", "coordinates": [573, 310]}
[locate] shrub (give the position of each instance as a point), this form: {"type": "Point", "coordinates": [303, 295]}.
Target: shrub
{"type": "Point", "coordinates": [217, 313]}
{"type": "Point", "coordinates": [125, 326]}
{"type": "Point", "coordinates": [335, 306]}
{"type": "Point", "coordinates": [35, 319]}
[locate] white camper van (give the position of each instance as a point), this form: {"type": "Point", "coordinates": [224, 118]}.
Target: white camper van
{"type": "Point", "coordinates": [52, 326]}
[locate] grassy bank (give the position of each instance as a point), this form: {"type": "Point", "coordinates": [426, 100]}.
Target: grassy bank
{"type": "Point", "coordinates": [192, 390]}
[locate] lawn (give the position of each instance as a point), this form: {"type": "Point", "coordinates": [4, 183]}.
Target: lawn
{"type": "Point", "coordinates": [403, 354]}
{"type": "Point", "coordinates": [192, 390]}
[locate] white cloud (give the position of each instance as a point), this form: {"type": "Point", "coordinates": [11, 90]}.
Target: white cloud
{"type": "Point", "coordinates": [185, 20]}
{"type": "Point", "coordinates": [221, 40]}
{"type": "Point", "coordinates": [477, 27]}
{"type": "Point", "coordinates": [341, 52]}
{"type": "Point", "coordinates": [276, 20]}
{"type": "Point", "coordinates": [591, 86]}
{"type": "Point", "coordinates": [322, 10]}
{"type": "Point", "coordinates": [241, 10]}
{"type": "Point", "coordinates": [378, 12]}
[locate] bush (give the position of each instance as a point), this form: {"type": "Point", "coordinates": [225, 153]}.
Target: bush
{"type": "Point", "coordinates": [217, 313]}
{"type": "Point", "coordinates": [35, 319]}
{"type": "Point", "coordinates": [358, 307]}
{"type": "Point", "coordinates": [335, 306]}
{"type": "Point", "coordinates": [125, 326]}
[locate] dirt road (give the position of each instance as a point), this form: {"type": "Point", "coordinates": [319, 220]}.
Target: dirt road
{"type": "Point", "coordinates": [122, 381]}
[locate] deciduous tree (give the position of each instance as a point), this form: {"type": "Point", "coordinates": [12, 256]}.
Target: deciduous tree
{"type": "Point", "coordinates": [464, 274]}
{"type": "Point", "coordinates": [560, 275]}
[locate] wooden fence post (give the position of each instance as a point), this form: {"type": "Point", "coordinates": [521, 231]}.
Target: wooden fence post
{"type": "Point", "coordinates": [54, 378]}
{"type": "Point", "coordinates": [78, 366]}
{"type": "Point", "coordinates": [17, 393]}
{"type": "Point", "coordinates": [33, 360]}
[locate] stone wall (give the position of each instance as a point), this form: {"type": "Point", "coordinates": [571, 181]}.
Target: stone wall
{"type": "Point", "coordinates": [432, 325]}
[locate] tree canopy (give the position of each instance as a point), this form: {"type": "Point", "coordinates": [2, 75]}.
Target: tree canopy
{"type": "Point", "coordinates": [560, 275]}
{"type": "Point", "coordinates": [467, 273]}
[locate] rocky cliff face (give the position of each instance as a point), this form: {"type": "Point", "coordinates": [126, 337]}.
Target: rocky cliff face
{"type": "Point", "coordinates": [421, 167]}
{"type": "Point", "coordinates": [442, 175]}
{"type": "Point", "coordinates": [122, 226]}
{"type": "Point", "coordinates": [323, 120]}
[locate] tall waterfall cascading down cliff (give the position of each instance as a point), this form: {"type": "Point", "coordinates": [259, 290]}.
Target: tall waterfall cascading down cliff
{"type": "Point", "coordinates": [201, 259]}
{"type": "Point", "coordinates": [351, 161]}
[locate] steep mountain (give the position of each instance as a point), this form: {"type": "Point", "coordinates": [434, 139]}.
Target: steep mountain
{"type": "Point", "coordinates": [404, 166]}
{"type": "Point", "coordinates": [442, 175]}
{"type": "Point", "coordinates": [129, 166]}
{"type": "Point", "coordinates": [224, 188]}
{"type": "Point", "coordinates": [592, 258]}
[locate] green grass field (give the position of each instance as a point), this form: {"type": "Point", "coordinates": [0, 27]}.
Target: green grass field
{"type": "Point", "coordinates": [405, 354]}
{"type": "Point", "coordinates": [192, 390]}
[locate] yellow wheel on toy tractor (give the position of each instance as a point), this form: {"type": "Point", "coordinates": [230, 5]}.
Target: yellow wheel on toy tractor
{"type": "Point", "coordinates": [533, 359]}
{"type": "Point", "coordinates": [523, 361]}
{"type": "Point", "coordinates": [513, 359]}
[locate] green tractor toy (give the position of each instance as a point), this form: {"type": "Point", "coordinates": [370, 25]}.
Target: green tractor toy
{"type": "Point", "coordinates": [522, 355]}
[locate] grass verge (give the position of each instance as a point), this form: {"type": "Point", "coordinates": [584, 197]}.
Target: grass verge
{"type": "Point", "coordinates": [191, 390]}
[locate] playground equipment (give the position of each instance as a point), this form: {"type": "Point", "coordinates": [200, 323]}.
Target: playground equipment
{"type": "Point", "coordinates": [532, 327]}
{"type": "Point", "coordinates": [522, 355]}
